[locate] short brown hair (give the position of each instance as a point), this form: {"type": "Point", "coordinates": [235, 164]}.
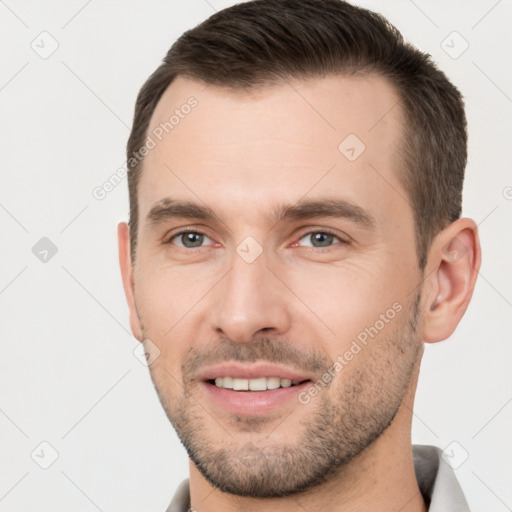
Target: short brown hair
{"type": "Point", "coordinates": [263, 42]}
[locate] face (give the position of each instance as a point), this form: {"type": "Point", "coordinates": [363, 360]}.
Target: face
{"type": "Point", "coordinates": [276, 277]}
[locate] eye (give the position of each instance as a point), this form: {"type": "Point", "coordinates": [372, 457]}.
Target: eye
{"type": "Point", "coordinates": [319, 239]}
{"type": "Point", "coordinates": [189, 239]}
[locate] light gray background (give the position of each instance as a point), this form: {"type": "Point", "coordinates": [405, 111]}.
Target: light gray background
{"type": "Point", "coordinates": [68, 373]}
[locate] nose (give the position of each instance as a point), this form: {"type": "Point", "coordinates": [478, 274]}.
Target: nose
{"type": "Point", "coordinates": [250, 300]}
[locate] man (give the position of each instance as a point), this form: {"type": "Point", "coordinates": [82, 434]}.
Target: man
{"type": "Point", "coordinates": [294, 240]}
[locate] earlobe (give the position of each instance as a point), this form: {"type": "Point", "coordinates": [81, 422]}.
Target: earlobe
{"type": "Point", "coordinates": [125, 263]}
{"type": "Point", "coordinates": [454, 262]}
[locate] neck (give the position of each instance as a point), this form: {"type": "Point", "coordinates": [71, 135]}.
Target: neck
{"type": "Point", "coordinates": [383, 474]}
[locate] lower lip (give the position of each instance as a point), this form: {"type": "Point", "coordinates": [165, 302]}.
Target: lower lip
{"type": "Point", "coordinates": [252, 403]}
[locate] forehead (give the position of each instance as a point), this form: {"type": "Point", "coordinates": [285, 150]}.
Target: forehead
{"type": "Point", "coordinates": [232, 148]}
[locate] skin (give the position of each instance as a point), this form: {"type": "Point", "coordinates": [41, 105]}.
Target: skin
{"type": "Point", "coordinates": [243, 155]}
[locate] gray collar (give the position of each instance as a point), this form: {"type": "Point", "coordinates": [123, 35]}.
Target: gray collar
{"type": "Point", "coordinates": [436, 481]}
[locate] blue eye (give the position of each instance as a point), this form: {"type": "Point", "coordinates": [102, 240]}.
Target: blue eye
{"type": "Point", "coordinates": [189, 239]}
{"type": "Point", "coordinates": [320, 239]}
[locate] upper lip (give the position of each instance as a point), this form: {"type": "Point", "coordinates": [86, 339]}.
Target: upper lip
{"type": "Point", "coordinates": [252, 371]}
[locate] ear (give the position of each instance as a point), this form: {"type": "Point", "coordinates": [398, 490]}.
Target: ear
{"type": "Point", "coordinates": [125, 262]}
{"type": "Point", "coordinates": [452, 268]}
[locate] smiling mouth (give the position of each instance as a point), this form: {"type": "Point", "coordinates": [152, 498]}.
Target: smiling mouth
{"type": "Point", "coordinates": [257, 384]}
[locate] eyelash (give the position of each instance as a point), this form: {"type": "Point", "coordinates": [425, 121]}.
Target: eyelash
{"type": "Point", "coordinates": [318, 249]}
{"type": "Point", "coordinates": [185, 231]}
{"type": "Point", "coordinates": [324, 231]}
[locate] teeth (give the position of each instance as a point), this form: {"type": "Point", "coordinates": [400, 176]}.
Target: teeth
{"type": "Point", "coordinates": [240, 384]}
{"type": "Point", "coordinates": [259, 384]}
{"type": "Point", "coordinates": [273, 382]}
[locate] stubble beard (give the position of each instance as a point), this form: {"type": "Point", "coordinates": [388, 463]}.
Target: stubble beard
{"type": "Point", "coordinates": [346, 418]}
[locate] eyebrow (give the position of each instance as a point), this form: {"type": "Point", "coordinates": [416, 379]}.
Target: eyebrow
{"type": "Point", "coordinates": [336, 208]}
{"type": "Point", "coordinates": [168, 209]}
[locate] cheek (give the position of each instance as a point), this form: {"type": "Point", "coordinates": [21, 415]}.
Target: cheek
{"type": "Point", "coordinates": [169, 300]}
{"type": "Point", "coordinates": [344, 301]}
{"type": "Point", "coordinates": [166, 295]}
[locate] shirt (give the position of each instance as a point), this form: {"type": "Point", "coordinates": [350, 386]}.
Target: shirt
{"type": "Point", "coordinates": [436, 480]}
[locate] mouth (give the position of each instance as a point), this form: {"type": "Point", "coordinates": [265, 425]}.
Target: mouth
{"type": "Point", "coordinates": [257, 384]}
{"type": "Point", "coordinates": [251, 390]}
